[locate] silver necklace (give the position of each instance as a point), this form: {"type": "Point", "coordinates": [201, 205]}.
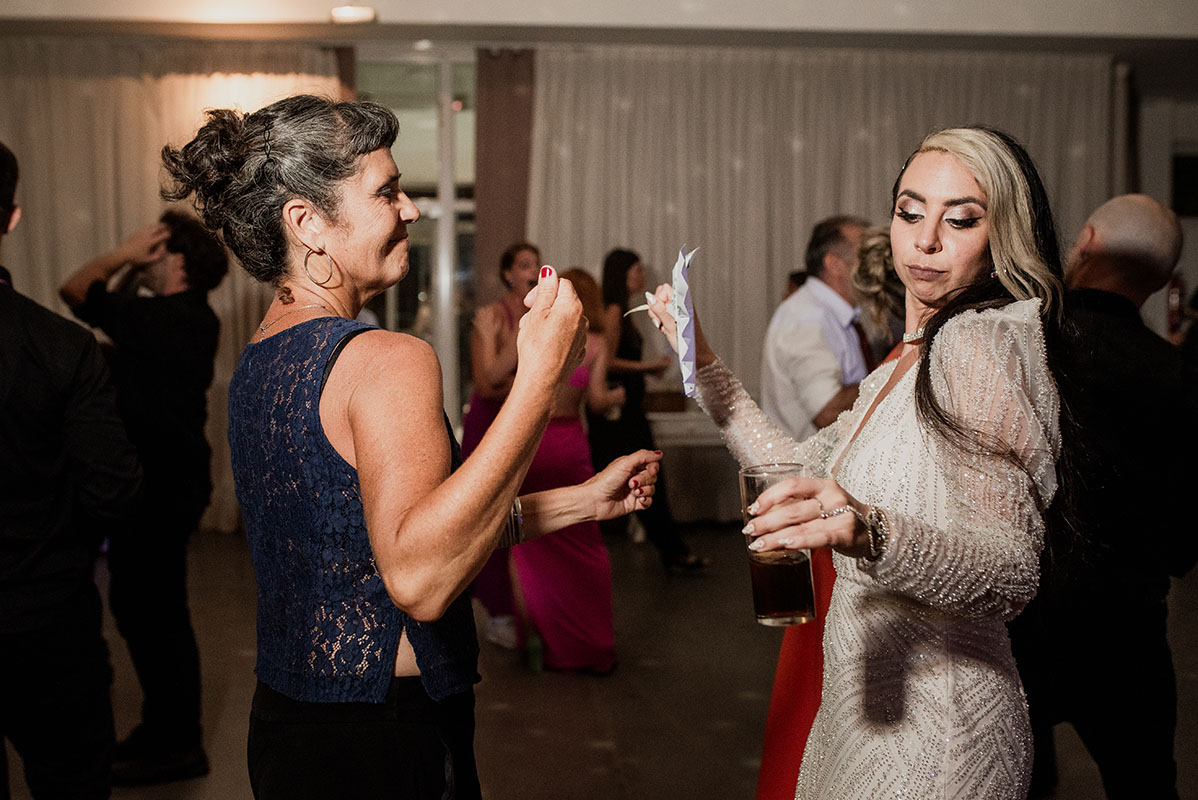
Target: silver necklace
{"type": "Point", "coordinates": [262, 328]}
{"type": "Point", "coordinates": [913, 336]}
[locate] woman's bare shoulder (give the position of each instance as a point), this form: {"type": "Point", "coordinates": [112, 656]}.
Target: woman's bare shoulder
{"type": "Point", "coordinates": [384, 358]}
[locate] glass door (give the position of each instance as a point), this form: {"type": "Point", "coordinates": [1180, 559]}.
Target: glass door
{"type": "Point", "coordinates": [432, 93]}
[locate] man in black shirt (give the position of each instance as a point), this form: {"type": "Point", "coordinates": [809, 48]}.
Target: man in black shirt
{"type": "Point", "coordinates": [164, 346]}
{"type": "Point", "coordinates": [66, 466]}
{"type": "Point", "coordinates": [1091, 647]}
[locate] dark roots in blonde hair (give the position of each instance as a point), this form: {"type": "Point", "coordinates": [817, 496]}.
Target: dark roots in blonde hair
{"type": "Point", "coordinates": [243, 168]}
{"type": "Point", "coordinates": [1026, 256]}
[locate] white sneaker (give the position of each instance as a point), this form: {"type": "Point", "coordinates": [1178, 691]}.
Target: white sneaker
{"type": "Point", "coordinates": [501, 631]}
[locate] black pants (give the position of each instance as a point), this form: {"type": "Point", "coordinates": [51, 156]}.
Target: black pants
{"type": "Point", "coordinates": [1110, 674]}
{"type": "Point", "coordinates": [408, 747]}
{"type": "Point", "coordinates": [55, 707]}
{"type": "Point", "coordinates": [147, 565]}
{"type": "Point", "coordinates": [610, 439]}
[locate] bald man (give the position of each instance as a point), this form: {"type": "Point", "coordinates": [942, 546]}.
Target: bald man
{"type": "Point", "coordinates": [1091, 647]}
{"type": "Point", "coordinates": [1128, 247]}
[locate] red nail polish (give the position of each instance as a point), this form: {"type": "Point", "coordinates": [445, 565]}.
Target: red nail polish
{"type": "Point", "coordinates": [546, 272]}
{"type": "Point", "coordinates": [635, 483]}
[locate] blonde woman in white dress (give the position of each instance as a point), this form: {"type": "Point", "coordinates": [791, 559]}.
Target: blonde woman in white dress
{"type": "Point", "coordinates": [931, 490]}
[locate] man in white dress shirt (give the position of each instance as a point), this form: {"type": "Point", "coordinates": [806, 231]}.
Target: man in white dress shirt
{"type": "Point", "coordinates": [813, 357]}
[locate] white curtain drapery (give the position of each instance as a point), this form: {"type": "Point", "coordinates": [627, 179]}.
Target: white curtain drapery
{"type": "Point", "coordinates": [87, 118]}
{"type": "Point", "coordinates": [741, 151]}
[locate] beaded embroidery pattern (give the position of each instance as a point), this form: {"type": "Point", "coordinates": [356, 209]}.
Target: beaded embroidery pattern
{"type": "Point", "coordinates": [921, 697]}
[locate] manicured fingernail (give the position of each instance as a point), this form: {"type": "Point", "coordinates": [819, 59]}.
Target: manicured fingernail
{"type": "Point", "coordinates": [753, 509]}
{"type": "Point", "coordinates": [546, 272]}
{"type": "Point", "coordinates": [756, 544]}
{"type": "Point", "coordinates": [748, 529]}
{"type": "Point", "coordinates": [657, 452]}
{"type": "Point", "coordinates": [635, 483]}
{"type": "Point", "coordinates": [786, 542]}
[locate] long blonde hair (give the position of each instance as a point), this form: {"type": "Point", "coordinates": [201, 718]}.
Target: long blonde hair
{"type": "Point", "coordinates": [1022, 236]}
{"type": "Point", "coordinates": [1027, 258]}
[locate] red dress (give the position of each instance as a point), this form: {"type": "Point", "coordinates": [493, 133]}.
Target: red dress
{"type": "Point", "coordinates": [798, 682]}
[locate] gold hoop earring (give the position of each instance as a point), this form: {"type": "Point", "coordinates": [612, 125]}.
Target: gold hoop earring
{"type": "Point", "coordinates": [311, 253]}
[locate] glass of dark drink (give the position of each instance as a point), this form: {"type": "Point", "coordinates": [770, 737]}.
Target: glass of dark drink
{"type": "Point", "coordinates": [783, 592]}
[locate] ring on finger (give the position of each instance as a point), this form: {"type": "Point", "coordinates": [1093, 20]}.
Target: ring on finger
{"type": "Point", "coordinates": [845, 509]}
{"type": "Point", "coordinates": [836, 512]}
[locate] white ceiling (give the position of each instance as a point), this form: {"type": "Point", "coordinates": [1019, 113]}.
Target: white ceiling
{"type": "Point", "coordinates": [1144, 18]}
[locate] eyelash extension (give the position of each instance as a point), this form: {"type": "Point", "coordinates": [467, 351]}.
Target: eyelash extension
{"type": "Point", "coordinates": [906, 216]}
{"type": "Point", "coordinates": [967, 222]}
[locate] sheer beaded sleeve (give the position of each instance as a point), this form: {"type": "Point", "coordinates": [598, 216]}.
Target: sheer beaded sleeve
{"type": "Point", "coordinates": [751, 436]}
{"type": "Point", "coordinates": [980, 556]}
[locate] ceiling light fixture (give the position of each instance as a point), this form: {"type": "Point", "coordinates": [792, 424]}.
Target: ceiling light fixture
{"type": "Point", "coordinates": [352, 15]}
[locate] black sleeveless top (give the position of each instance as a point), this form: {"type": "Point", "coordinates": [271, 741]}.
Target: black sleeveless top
{"type": "Point", "coordinates": [327, 629]}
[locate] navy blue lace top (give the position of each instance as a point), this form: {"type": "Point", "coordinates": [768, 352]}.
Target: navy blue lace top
{"type": "Point", "coordinates": [327, 629]}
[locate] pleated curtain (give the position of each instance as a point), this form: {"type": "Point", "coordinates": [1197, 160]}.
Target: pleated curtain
{"type": "Point", "coordinates": [87, 118]}
{"type": "Point", "coordinates": [739, 152]}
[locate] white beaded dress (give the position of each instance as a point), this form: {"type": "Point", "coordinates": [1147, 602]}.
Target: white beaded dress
{"type": "Point", "coordinates": [921, 697]}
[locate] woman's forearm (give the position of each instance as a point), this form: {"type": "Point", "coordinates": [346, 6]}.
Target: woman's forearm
{"type": "Point", "coordinates": [554, 509]}
{"type": "Point", "coordinates": [474, 504]}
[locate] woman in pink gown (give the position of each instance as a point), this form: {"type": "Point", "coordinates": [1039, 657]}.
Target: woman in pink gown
{"type": "Point", "coordinates": [493, 366]}
{"type": "Point", "coordinates": [562, 587]}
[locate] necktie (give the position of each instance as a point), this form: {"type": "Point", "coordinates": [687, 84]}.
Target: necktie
{"type": "Point", "coordinates": [866, 353]}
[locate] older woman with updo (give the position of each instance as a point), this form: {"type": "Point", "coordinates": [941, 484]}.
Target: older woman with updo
{"type": "Point", "coordinates": [363, 527]}
{"type": "Point", "coordinates": [932, 490]}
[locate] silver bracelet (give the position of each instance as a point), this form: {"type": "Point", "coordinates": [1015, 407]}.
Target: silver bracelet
{"type": "Point", "coordinates": [879, 534]}
{"type": "Point", "coordinates": [513, 532]}
{"type": "Point", "coordinates": [875, 524]}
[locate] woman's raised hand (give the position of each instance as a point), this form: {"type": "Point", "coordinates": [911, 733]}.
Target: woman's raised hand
{"type": "Point", "coordinates": [659, 313]}
{"type": "Point", "coordinates": [664, 321]}
{"type": "Point", "coordinates": [552, 341]}
{"type": "Point", "coordinates": [146, 244]}
{"type": "Point", "coordinates": [787, 516]}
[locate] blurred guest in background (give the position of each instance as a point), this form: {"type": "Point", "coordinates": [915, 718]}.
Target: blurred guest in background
{"type": "Point", "coordinates": [562, 583]}
{"type": "Point", "coordinates": [794, 281]}
{"type": "Point", "coordinates": [1189, 344]}
{"type": "Point", "coordinates": [492, 368]}
{"type": "Point", "coordinates": [165, 338]}
{"type": "Point", "coordinates": [1100, 612]}
{"type": "Point", "coordinates": [880, 292]}
{"type": "Point", "coordinates": [66, 469]}
{"type": "Point", "coordinates": [814, 354]}
{"type": "Point", "coordinates": [611, 434]}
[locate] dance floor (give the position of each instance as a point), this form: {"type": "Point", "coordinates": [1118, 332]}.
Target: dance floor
{"type": "Point", "coordinates": [682, 716]}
